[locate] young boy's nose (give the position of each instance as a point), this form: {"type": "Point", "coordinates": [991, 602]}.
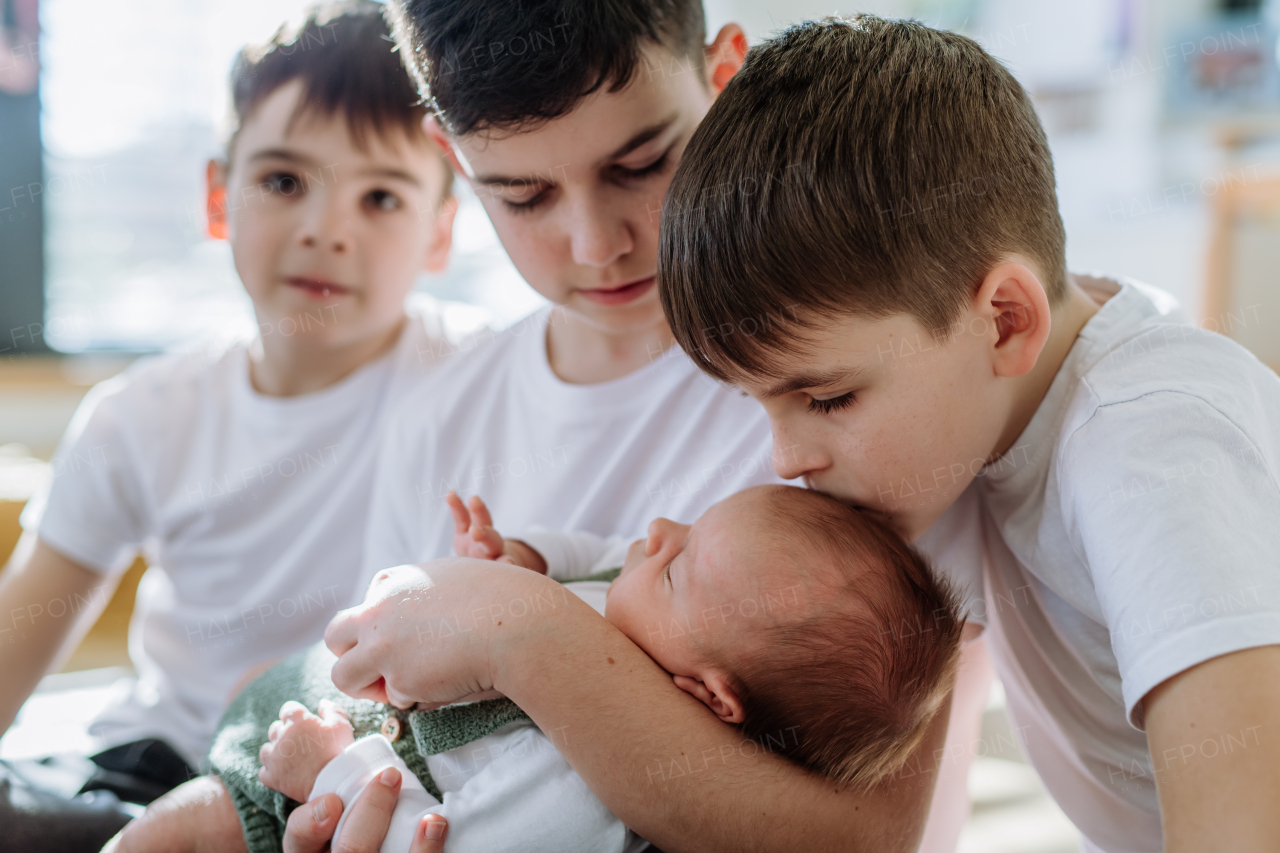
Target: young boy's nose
{"type": "Point", "coordinates": [794, 457]}
{"type": "Point", "coordinates": [324, 227]}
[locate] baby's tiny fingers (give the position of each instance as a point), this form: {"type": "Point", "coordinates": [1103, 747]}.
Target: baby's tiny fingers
{"type": "Point", "coordinates": [274, 730]}
{"type": "Point", "coordinates": [480, 511]}
{"type": "Point", "coordinates": [293, 709]}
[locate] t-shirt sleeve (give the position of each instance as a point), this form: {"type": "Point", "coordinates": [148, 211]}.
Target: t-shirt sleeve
{"type": "Point", "coordinates": [576, 555]}
{"type": "Point", "coordinates": [955, 550]}
{"type": "Point", "coordinates": [94, 509]}
{"type": "Point", "coordinates": [1175, 509]}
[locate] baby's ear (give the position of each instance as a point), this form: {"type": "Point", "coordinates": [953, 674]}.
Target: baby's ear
{"type": "Point", "coordinates": [713, 690]}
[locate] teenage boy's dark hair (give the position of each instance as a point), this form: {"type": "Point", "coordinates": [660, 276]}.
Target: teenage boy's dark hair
{"type": "Point", "coordinates": [344, 56]}
{"type": "Point", "coordinates": [852, 166]}
{"type": "Point", "coordinates": [849, 687]}
{"type": "Point", "coordinates": [510, 65]}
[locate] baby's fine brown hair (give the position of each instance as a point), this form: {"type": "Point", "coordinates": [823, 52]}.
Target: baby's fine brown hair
{"type": "Point", "coordinates": [849, 688]}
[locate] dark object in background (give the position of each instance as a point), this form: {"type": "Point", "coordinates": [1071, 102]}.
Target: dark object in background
{"type": "Point", "coordinates": [21, 183]}
{"type": "Point", "coordinates": [72, 804]}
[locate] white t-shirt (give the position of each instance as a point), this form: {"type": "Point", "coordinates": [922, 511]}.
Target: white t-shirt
{"type": "Point", "coordinates": [1134, 536]}
{"type": "Point", "coordinates": [250, 510]}
{"type": "Point", "coordinates": [482, 780]}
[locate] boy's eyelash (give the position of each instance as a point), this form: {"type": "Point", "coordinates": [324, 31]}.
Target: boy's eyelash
{"type": "Point", "coordinates": [645, 171]}
{"type": "Point", "coordinates": [834, 404]}
{"type": "Point", "coordinates": [629, 174]}
{"type": "Point", "coordinates": [526, 206]}
{"type": "Point", "coordinates": [666, 572]}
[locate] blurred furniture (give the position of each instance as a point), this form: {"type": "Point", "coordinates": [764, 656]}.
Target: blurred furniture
{"type": "Point", "coordinates": [37, 398]}
{"type": "Point", "coordinates": [1242, 292]}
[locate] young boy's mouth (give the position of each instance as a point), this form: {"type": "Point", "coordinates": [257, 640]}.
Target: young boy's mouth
{"type": "Point", "coordinates": [317, 288]}
{"type": "Point", "coordinates": [620, 295]}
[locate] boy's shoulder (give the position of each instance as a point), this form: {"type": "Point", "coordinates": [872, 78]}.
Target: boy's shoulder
{"type": "Point", "coordinates": [167, 382]}
{"type": "Point", "coordinates": [1141, 346]}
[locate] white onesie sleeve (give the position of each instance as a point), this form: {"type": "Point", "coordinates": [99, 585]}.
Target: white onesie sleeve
{"type": "Point", "coordinates": [575, 555]}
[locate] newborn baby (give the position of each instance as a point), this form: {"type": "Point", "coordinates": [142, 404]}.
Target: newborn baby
{"type": "Point", "coordinates": [810, 625]}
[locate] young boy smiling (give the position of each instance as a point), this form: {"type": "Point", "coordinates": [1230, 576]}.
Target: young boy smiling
{"type": "Point", "coordinates": [244, 472]}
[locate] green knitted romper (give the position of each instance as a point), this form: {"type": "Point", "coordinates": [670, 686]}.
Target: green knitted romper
{"type": "Point", "coordinates": [305, 678]}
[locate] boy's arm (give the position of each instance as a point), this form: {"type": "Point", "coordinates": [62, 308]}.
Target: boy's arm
{"type": "Point", "coordinates": [649, 751]}
{"type": "Point", "coordinates": [36, 640]}
{"type": "Point", "coordinates": [1215, 753]}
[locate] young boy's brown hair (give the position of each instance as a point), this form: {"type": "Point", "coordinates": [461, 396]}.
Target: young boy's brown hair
{"type": "Point", "coordinates": [911, 161]}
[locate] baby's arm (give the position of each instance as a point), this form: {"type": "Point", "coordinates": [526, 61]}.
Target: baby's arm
{"type": "Point", "coordinates": [563, 556]}
{"type": "Point", "coordinates": [474, 536]}
{"type": "Point", "coordinates": [300, 745]}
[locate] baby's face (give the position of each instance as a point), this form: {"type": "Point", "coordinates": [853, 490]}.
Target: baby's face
{"type": "Point", "coordinates": [688, 589]}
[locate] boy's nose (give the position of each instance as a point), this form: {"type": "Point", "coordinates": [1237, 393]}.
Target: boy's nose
{"type": "Point", "coordinates": [598, 237]}
{"type": "Point", "coordinates": [793, 458]}
{"type": "Point", "coordinates": [324, 227]}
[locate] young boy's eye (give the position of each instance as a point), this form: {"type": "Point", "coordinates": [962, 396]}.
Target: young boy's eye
{"type": "Point", "coordinates": [383, 200]}
{"type": "Point", "coordinates": [832, 404]}
{"type": "Point", "coordinates": [283, 183]}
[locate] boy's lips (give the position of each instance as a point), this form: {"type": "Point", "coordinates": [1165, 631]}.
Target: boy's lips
{"type": "Point", "coordinates": [620, 295]}
{"type": "Point", "coordinates": [316, 288]}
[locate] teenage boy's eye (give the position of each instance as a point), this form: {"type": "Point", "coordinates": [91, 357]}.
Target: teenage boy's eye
{"type": "Point", "coordinates": [383, 200]}
{"type": "Point", "coordinates": [832, 404]}
{"type": "Point", "coordinates": [283, 183]}
{"type": "Point", "coordinates": [645, 171]}
{"type": "Point", "coordinates": [526, 206]}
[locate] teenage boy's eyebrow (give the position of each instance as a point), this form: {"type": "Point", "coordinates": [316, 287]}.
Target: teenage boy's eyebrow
{"type": "Point", "coordinates": [647, 134]}
{"type": "Point", "coordinates": [811, 380]}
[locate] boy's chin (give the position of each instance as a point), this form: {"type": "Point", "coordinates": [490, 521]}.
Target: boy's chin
{"type": "Point", "coordinates": [642, 315]}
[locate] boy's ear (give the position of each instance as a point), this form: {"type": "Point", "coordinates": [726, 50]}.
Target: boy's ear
{"type": "Point", "coordinates": [215, 208]}
{"type": "Point", "coordinates": [437, 135]}
{"type": "Point", "coordinates": [442, 235]}
{"type": "Point", "coordinates": [724, 56]}
{"type": "Point", "coordinates": [713, 690]}
{"type": "Point", "coordinates": [1016, 307]}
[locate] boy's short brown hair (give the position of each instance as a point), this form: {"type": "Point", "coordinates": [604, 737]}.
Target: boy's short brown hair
{"type": "Point", "coordinates": [344, 56]}
{"type": "Point", "coordinates": [849, 687]}
{"type": "Point", "coordinates": [852, 166]}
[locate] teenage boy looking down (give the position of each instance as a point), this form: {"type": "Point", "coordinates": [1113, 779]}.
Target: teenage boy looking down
{"type": "Point", "coordinates": [1130, 492]}
{"type": "Point", "coordinates": [584, 418]}
{"type": "Point", "coordinates": [244, 472]}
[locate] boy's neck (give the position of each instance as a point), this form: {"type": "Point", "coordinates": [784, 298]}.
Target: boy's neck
{"type": "Point", "coordinates": [1069, 317]}
{"type": "Point", "coordinates": [582, 354]}
{"type": "Point", "coordinates": [288, 367]}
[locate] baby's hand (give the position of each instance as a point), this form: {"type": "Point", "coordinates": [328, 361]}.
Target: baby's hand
{"type": "Point", "coordinates": [475, 536]}
{"type": "Point", "coordinates": [300, 745]}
